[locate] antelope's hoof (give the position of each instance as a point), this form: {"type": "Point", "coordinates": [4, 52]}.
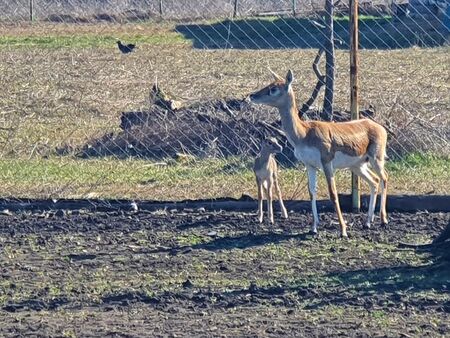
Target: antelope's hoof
{"type": "Point", "coordinates": [313, 233]}
{"type": "Point", "coordinates": [367, 226]}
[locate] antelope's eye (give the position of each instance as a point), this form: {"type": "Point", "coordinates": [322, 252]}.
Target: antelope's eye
{"type": "Point", "coordinates": [273, 91]}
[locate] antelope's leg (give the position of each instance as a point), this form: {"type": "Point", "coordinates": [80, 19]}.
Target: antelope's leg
{"type": "Point", "coordinates": [270, 199]}
{"type": "Point", "coordinates": [364, 172]}
{"type": "Point", "coordinates": [329, 174]}
{"type": "Point", "coordinates": [378, 167]}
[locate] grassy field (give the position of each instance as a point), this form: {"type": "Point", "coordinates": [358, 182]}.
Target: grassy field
{"type": "Point", "coordinates": [64, 85]}
{"type": "Point", "coordinates": [139, 179]}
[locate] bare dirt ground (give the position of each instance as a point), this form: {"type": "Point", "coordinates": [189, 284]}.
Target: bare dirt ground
{"type": "Point", "coordinates": [196, 273]}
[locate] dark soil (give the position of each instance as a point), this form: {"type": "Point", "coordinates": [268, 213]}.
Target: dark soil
{"type": "Point", "coordinates": [197, 273]}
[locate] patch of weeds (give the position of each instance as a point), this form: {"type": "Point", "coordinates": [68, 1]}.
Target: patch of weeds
{"type": "Point", "coordinates": [54, 290]}
{"type": "Point", "coordinates": [89, 41]}
{"type": "Point", "coordinates": [191, 239]}
{"type": "Point", "coordinates": [69, 333]}
{"type": "Point", "coordinates": [220, 283]}
{"type": "Point", "coordinates": [362, 18]}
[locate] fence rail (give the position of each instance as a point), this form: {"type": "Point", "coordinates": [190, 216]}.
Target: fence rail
{"type": "Point", "coordinates": [78, 118]}
{"type": "Point", "coordinates": [137, 10]}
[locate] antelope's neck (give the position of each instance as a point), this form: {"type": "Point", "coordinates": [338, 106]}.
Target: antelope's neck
{"type": "Point", "coordinates": [265, 156]}
{"type": "Point", "coordinates": [293, 126]}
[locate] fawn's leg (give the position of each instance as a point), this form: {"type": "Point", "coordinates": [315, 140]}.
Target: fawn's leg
{"type": "Point", "coordinates": [260, 200]}
{"type": "Point", "coordinates": [284, 213]}
{"type": "Point", "coordinates": [312, 187]}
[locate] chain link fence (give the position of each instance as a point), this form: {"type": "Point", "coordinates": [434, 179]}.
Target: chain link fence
{"type": "Point", "coordinates": [167, 121]}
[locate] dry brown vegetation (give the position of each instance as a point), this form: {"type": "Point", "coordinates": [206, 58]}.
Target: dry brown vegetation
{"type": "Point", "coordinates": [55, 97]}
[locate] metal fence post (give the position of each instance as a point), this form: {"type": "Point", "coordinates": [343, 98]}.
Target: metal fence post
{"type": "Point", "coordinates": [354, 90]}
{"type": "Point", "coordinates": [235, 8]}
{"type": "Point", "coordinates": [294, 7]}
{"type": "Point", "coordinates": [160, 8]}
{"type": "Point", "coordinates": [329, 60]}
{"type": "Point", "coordinates": [31, 7]}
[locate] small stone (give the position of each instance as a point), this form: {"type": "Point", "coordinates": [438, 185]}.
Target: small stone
{"type": "Point", "coordinates": [60, 213]}
{"type": "Point", "coordinates": [253, 287]}
{"type": "Point", "coordinates": [6, 212]}
{"type": "Point", "coordinates": [134, 206]}
{"type": "Point", "coordinates": [187, 284]}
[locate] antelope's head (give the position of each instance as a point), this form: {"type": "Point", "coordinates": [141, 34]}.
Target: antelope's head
{"type": "Point", "coordinates": [276, 94]}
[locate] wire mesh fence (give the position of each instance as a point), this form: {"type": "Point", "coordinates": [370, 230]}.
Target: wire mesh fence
{"type": "Point", "coordinates": [80, 117]}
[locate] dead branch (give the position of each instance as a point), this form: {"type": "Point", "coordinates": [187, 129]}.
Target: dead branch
{"type": "Point", "coordinates": [158, 97]}
{"type": "Point", "coordinates": [444, 235]}
{"type": "Point", "coordinates": [320, 83]}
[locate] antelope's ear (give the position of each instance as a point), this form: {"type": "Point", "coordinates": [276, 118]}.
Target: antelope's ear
{"type": "Point", "coordinates": [275, 75]}
{"type": "Point", "coordinates": [289, 79]}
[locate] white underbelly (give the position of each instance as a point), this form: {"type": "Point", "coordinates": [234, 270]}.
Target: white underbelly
{"type": "Point", "coordinates": [311, 157]}
{"type": "Point", "coordinates": [342, 160]}
{"type": "Point", "coordinates": [308, 156]}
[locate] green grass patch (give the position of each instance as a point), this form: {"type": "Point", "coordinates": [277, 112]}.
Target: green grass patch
{"type": "Point", "coordinates": [418, 161]}
{"type": "Point", "coordinates": [133, 178]}
{"type": "Point", "coordinates": [363, 18]}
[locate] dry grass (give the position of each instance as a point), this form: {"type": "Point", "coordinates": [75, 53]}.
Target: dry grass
{"type": "Point", "coordinates": [66, 96]}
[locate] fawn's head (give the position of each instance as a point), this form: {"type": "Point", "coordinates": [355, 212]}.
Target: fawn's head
{"type": "Point", "coordinates": [270, 145]}
{"type": "Point", "coordinates": [276, 94]}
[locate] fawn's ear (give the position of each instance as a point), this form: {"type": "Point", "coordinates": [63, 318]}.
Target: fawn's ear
{"type": "Point", "coordinates": [289, 79]}
{"type": "Point", "coordinates": [275, 75]}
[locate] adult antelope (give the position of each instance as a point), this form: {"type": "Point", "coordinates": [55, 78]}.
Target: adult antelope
{"type": "Point", "coordinates": [329, 146]}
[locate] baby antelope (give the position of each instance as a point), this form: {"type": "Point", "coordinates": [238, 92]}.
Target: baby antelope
{"type": "Point", "coordinates": [265, 169]}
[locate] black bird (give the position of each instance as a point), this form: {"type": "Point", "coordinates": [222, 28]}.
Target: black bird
{"type": "Point", "coordinates": [125, 49]}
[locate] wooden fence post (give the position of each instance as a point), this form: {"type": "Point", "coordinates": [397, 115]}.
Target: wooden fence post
{"type": "Point", "coordinates": [354, 90]}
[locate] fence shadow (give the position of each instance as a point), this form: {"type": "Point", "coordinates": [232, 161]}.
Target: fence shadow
{"type": "Point", "coordinates": [391, 285]}
{"type": "Point", "coordinates": [381, 288]}
{"type": "Point", "coordinates": [282, 33]}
